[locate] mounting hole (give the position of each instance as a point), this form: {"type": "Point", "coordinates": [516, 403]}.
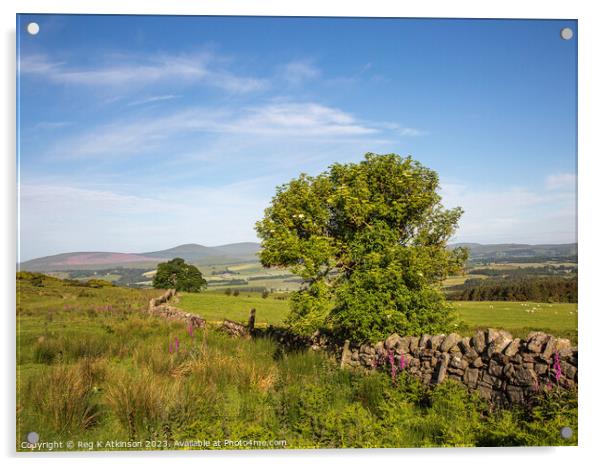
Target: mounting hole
{"type": "Point", "coordinates": [566, 432]}
{"type": "Point", "coordinates": [33, 28]}
{"type": "Point", "coordinates": [566, 33]}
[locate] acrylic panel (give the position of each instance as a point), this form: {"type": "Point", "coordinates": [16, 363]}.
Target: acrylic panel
{"type": "Point", "coordinates": [295, 232]}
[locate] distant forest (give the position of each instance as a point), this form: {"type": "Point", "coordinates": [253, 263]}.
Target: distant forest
{"type": "Point", "coordinates": [486, 260]}
{"type": "Point", "coordinates": [546, 270]}
{"type": "Point", "coordinates": [539, 289]}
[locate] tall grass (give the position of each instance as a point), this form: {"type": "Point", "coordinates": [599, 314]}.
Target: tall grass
{"type": "Point", "coordinates": [64, 396]}
{"type": "Point", "coordinates": [48, 350]}
{"type": "Point", "coordinates": [140, 402]}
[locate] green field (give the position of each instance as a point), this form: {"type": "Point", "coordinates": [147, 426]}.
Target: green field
{"type": "Point", "coordinates": [216, 306]}
{"type": "Point", "coordinates": [519, 318]}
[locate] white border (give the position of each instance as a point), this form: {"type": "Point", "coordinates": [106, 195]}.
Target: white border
{"type": "Point", "coordinates": [590, 243]}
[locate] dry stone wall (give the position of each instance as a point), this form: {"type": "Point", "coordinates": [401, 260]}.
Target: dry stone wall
{"type": "Point", "coordinates": [160, 307]}
{"type": "Point", "coordinates": [501, 368]}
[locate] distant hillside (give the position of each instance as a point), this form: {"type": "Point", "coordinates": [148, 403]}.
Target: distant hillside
{"type": "Point", "coordinates": [226, 254]}
{"type": "Point", "coordinates": [519, 252]}
{"type": "Point", "coordinates": [86, 260]}
{"type": "Point", "coordinates": [247, 252]}
{"type": "Point", "coordinates": [239, 252]}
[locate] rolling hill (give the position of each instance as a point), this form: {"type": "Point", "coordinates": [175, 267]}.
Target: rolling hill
{"type": "Point", "coordinates": [195, 253]}
{"type": "Point", "coordinates": [239, 252]}
{"type": "Point", "coordinates": [247, 252]}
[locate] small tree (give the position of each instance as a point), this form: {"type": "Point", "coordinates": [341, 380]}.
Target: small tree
{"type": "Point", "coordinates": [179, 275]}
{"type": "Point", "coordinates": [369, 239]}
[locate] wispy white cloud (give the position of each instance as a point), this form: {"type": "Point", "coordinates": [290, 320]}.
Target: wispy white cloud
{"type": "Point", "coordinates": [302, 119]}
{"type": "Point", "coordinates": [76, 218]}
{"type": "Point", "coordinates": [135, 136]}
{"type": "Point", "coordinates": [64, 199]}
{"type": "Point", "coordinates": [411, 132]}
{"type": "Point", "coordinates": [402, 130]}
{"type": "Point", "coordinates": [560, 181]}
{"type": "Point", "coordinates": [152, 99]}
{"type": "Point", "coordinates": [38, 64]}
{"type": "Point", "coordinates": [130, 71]}
{"type": "Point", "coordinates": [512, 214]}
{"type": "Point", "coordinates": [297, 72]}
{"type": "Point", "coordinates": [52, 124]}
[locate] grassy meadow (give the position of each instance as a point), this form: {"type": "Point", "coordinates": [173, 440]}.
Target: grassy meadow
{"type": "Point", "coordinates": [519, 318]}
{"type": "Point", "coordinates": [215, 306]}
{"type": "Point", "coordinates": [93, 366]}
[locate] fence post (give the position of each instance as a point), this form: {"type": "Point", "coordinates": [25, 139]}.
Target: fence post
{"type": "Point", "coordinates": [251, 324]}
{"type": "Point", "coordinates": [345, 354]}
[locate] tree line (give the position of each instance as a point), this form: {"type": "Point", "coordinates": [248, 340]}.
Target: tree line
{"type": "Point", "coordinates": [540, 289]}
{"type": "Point", "coordinates": [494, 259]}
{"type": "Point", "coordinates": [546, 270]}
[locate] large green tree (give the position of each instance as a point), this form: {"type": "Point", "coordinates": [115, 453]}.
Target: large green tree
{"type": "Point", "coordinates": [179, 275]}
{"type": "Point", "coordinates": [369, 239]}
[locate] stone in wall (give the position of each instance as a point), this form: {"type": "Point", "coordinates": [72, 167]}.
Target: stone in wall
{"type": "Point", "coordinates": [235, 329]}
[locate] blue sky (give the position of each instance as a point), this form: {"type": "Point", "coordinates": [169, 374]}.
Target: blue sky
{"type": "Point", "coordinates": [139, 133]}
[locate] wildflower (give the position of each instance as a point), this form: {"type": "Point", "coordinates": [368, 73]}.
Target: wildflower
{"type": "Point", "coordinates": [557, 368]}
{"type": "Point", "coordinates": [174, 346]}
{"type": "Point", "coordinates": [402, 362]}
{"type": "Point", "coordinates": [392, 363]}
{"type": "Point", "coordinates": [190, 330]}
